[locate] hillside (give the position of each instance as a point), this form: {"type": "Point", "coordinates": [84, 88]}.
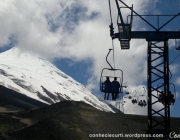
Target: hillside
{"type": "Point", "coordinates": [70, 120]}
{"type": "Point", "coordinates": [11, 100]}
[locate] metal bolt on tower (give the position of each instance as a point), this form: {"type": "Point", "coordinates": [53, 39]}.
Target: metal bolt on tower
{"type": "Point", "coordinates": [157, 65]}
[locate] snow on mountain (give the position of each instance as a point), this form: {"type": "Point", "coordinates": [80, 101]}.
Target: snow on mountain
{"type": "Point", "coordinates": [37, 78]}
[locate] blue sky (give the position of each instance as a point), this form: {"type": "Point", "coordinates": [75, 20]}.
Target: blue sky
{"type": "Point", "coordinates": [74, 35]}
{"type": "Point", "coordinates": [77, 70]}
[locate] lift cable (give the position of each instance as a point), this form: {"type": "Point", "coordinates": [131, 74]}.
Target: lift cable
{"type": "Point", "coordinates": [171, 63]}
{"type": "Point", "coordinates": [174, 59]}
{"type": "Point", "coordinates": [110, 11]}
{"type": "Point", "coordinates": [112, 39]}
{"type": "Point", "coordinates": [113, 56]}
{"type": "Point", "coordinates": [170, 74]}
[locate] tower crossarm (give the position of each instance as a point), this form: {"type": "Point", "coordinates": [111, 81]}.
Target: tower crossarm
{"type": "Point", "coordinates": [152, 35]}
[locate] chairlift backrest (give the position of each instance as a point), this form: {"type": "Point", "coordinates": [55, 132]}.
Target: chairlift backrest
{"type": "Point", "coordinates": [140, 97]}
{"type": "Point", "coordinates": [103, 78]}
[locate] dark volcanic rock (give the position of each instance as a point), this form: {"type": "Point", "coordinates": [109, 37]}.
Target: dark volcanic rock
{"type": "Point", "coordinates": [69, 120]}
{"type": "Point", "coordinates": [12, 99]}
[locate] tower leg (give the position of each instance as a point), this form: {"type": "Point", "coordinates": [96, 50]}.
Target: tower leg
{"type": "Point", "coordinates": [158, 84]}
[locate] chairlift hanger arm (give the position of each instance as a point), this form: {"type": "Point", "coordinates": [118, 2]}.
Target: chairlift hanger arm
{"type": "Point", "coordinates": [135, 94]}
{"type": "Point", "coordinates": [144, 91]}
{"type": "Point", "coordinates": [130, 90]}
{"type": "Point", "coordinates": [107, 57]}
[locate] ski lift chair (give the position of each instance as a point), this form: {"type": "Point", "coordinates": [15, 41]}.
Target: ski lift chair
{"type": "Point", "coordinates": [134, 101]}
{"type": "Point", "coordinates": [110, 72]}
{"type": "Point", "coordinates": [128, 93]}
{"type": "Point", "coordinates": [134, 98]}
{"type": "Point", "coordinates": [142, 103]}
{"type": "Point", "coordinates": [172, 97]}
{"type": "Point", "coordinates": [103, 78]}
{"type": "Point", "coordinates": [130, 97]}
{"type": "Point", "coordinates": [141, 100]}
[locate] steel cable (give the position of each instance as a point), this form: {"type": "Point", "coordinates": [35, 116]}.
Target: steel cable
{"type": "Point", "coordinates": [112, 39]}
{"type": "Point", "coordinates": [174, 59]}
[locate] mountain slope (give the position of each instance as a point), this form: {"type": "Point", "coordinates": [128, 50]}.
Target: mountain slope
{"type": "Point", "coordinates": [37, 78]}
{"type": "Point", "coordinates": [11, 101]}
{"type": "Point", "coordinates": [69, 120]}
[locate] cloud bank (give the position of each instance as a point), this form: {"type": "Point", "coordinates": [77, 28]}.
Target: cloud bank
{"type": "Point", "coordinates": [77, 30]}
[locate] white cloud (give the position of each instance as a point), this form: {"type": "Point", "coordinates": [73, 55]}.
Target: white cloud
{"type": "Point", "coordinates": [178, 81]}
{"type": "Point", "coordinates": [31, 25]}
{"type": "Point", "coordinates": [174, 68]}
{"type": "Point", "coordinates": [74, 29]}
{"type": "Point", "coordinates": [90, 84]}
{"type": "Point", "coordinates": [177, 95]}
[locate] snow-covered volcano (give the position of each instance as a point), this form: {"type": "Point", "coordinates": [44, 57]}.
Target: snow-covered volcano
{"type": "Point", "coordinates": [37, 78]}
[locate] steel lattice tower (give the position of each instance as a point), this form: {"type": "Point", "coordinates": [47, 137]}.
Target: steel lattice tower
{"type": "Point", "coordinates": [158, 72]}
{"type": "Point", "coordinates": [157, 65]}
